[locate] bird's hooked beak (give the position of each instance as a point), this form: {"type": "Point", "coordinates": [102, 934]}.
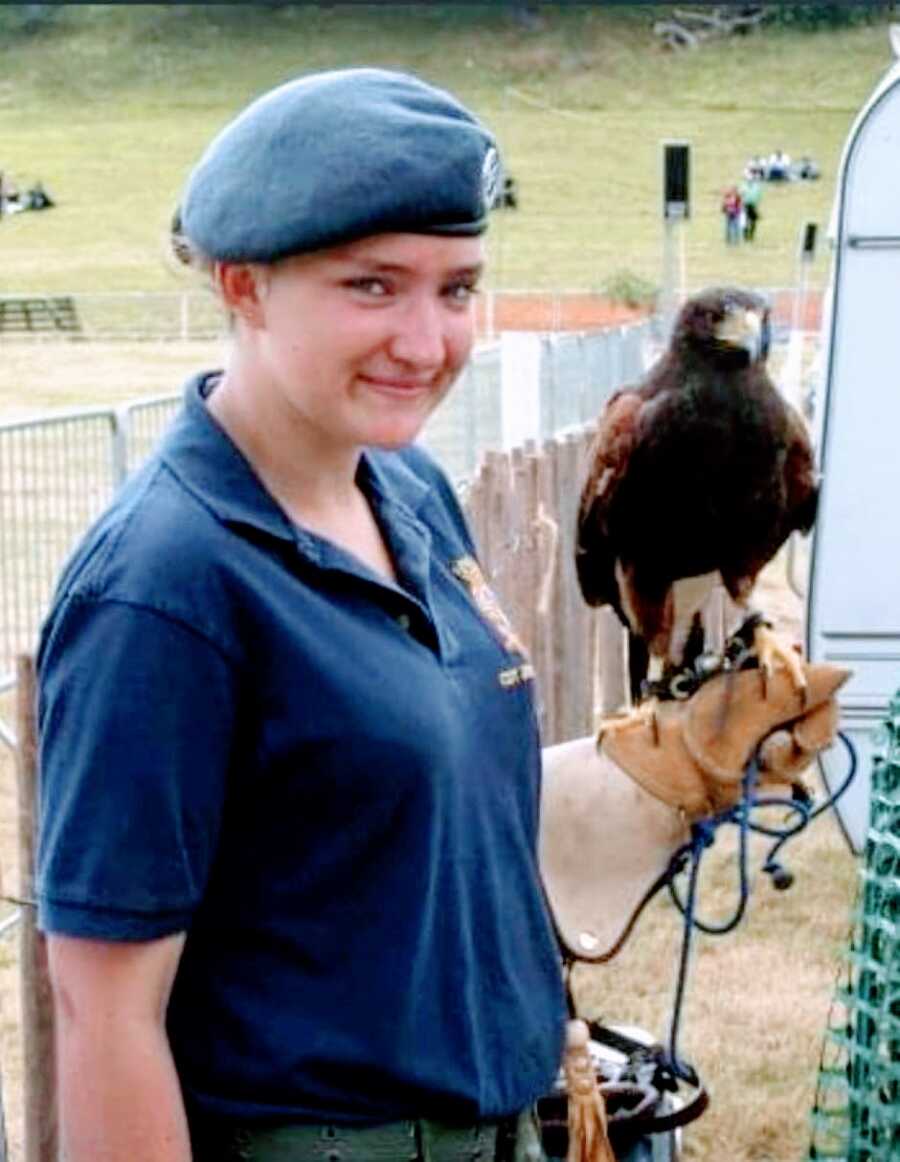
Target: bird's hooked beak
{"type": "Point", "coordinates": [743, 329]}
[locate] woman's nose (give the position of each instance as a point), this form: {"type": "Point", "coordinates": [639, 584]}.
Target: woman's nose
{"type": "Point", "coordinates": [420, 338]}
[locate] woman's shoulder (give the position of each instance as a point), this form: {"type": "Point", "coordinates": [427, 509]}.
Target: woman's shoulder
{"type": "Point", "coordinates": [153, 542]}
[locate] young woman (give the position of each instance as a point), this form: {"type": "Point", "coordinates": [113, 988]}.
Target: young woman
{"type": "Point", "coordinates": [289, 793]}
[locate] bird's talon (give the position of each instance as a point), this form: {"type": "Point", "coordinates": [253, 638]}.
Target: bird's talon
{"type": "Point", "coordinates": [770, 649]}
{"type": "Point", "coordinates": [643, 714]}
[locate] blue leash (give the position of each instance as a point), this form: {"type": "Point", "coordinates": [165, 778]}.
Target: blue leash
{"type": "Point", "coordinates": [703, 835]}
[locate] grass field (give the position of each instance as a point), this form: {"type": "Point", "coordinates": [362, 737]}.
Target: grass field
{"type": "Point", "coordinates": [113, 103]}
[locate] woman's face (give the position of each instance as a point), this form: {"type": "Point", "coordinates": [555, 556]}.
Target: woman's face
{"type": "Point", "coordinates": [362, 341]}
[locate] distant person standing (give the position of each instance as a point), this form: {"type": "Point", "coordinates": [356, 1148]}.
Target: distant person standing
{"type": "Point", "coordinates": [731, 209]}
{"type": "Point", "coordinates": [750, 191]}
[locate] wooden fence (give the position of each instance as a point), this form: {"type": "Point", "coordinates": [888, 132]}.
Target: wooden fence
{"type": "Point", "coordinates": [522, 508]}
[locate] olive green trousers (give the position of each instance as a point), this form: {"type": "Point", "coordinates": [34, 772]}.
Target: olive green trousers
{"type": "Point", "coordinates": [420, 1141]}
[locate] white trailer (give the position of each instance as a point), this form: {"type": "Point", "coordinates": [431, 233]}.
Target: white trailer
{"type": "Point", "coordinates": [853, 614]}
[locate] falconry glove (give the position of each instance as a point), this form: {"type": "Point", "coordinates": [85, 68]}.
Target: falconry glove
{"type": "Point", "coordinates": [613, 816]}
{"type": "Point", "coordinates": [694, 757]}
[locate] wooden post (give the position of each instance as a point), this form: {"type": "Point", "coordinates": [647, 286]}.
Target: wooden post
{"type": "Point", "coordinates": [547, 626]}
{"type": "Point", "coordinates": [496, 471]}
{"type": "Point", "coordinates": [475, 510]}
{"type": "Point", "coordinates": [529, 561]}
{"type": "Point", "coordinates": [585, 616]}
{"type": "Point", "coordinates": [515, 586]}
{"type": "Point", "coordinates": [522, 508]}
{"type": "Point", "coordinates": [574, 695]}
{"type": "Point", "coordinates": [39, 1065]}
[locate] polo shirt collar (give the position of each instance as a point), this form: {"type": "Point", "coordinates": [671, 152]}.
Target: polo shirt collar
{"type": "Point", "coordinates": [204, 458]}
{"type": "Point", "coordinates": [396, 494]}
{"type": "Point", "coordinates": [206, 461]}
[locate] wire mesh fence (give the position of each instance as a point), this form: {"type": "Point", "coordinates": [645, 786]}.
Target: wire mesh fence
{"type": "Point", "coordinates": [470, 419]}
{"type": "Point", "coordinates": [142, 424]}
{"type": "Point", "coordinates": [187, 314]}
{"type": "Point", "coordinates": [58, 474]}
{"type": "Point", "coordinates": [856, 1115]}
{"type": "Point", "coordinates": [55, 478]}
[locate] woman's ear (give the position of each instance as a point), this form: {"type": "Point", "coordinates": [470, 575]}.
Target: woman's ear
{"type": "Point", "coordinates": [242, 286]}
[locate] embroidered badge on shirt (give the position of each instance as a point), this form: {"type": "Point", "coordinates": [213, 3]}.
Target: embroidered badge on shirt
{"type": "Point", "coordinates": [515, 675]}
{"type": "Point", "coordinates": [469, 572]}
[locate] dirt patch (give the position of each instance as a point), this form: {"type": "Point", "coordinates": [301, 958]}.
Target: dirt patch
{"type": "Point", "coordinates": [524, 311]}
{"type": "Point", "coordinates": [562, 312]}
{"type": "Point", "coordinates": [805, 314]}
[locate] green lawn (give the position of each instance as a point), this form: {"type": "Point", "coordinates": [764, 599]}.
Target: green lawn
{"type": "Point", "coordinates": [111, 105]}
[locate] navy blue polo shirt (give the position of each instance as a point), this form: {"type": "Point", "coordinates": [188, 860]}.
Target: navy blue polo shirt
{"type": "Point", "coordinates": [329, 781]}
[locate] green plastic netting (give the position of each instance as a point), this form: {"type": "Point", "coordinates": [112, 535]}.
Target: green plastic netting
{"type": "Point", "coordinates": [855, 1114]}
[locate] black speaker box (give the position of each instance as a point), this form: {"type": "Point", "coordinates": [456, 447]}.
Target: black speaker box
{"type": "Point", "coordinates": [676, 179]}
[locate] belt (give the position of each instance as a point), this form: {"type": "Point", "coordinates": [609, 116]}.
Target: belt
{"type": "Point", "coordinates": [412, 1141]}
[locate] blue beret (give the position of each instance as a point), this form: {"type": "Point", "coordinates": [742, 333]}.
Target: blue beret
{"type": "Point", "coordinates": [336, 156]}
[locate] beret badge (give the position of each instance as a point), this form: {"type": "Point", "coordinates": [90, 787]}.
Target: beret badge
{"type": "Point", "coordinates": [491, 171]}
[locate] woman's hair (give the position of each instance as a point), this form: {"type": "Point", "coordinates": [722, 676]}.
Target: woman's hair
{"type": "Point", "coordinates": [190, 256]}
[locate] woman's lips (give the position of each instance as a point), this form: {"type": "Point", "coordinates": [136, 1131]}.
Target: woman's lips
{"type": "Point", "coordinates": [397, 387]}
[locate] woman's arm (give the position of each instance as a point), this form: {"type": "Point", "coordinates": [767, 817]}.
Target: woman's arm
{"type": "Point", "coordinates": [119, 1096]}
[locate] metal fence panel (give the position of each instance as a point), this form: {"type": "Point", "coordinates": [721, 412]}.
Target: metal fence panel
{"type": "Point", "coordinates": [580, 371]}
{"type": "Point", "coordinates": [56, 477]}
{"type": "Point", "coordinates": [142, 424]}
{"type": "Point", "coordinates": [188, 314]}
{"type": "Point", "coordinates": [195, 313]}
{"type": "Point", "coordinates": [468, 421]}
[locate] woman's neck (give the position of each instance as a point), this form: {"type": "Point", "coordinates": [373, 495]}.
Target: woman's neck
{"type": "Point", "coordinates": [313, 481]}
{"type": "Point", "coordinates": [310, 478]}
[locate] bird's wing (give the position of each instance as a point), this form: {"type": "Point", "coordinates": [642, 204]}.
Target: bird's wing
{"type": "Point", "coordinates": [595, 556]}
{"type": "Point", "coordinates": [800, 476]}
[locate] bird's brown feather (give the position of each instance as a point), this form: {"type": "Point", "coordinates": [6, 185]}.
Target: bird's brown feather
{"type": "Point", "coordinates": [701, 467]}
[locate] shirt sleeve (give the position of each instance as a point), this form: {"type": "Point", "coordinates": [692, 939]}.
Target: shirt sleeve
{"type": "Point", "coordinates": [136, 716]}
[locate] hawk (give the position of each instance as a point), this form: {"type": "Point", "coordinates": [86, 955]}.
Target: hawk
{"type": "Point", "coordinates": [700, 471]}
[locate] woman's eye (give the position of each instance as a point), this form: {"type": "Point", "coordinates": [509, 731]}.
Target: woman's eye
{"type": "Point", "coordinates": [377, 288]}
{"type": "Point", "coordinates": [462, 292]}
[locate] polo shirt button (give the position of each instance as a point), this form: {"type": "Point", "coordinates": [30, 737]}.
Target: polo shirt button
{"type": "Point", "coordinates": [403, 620]}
